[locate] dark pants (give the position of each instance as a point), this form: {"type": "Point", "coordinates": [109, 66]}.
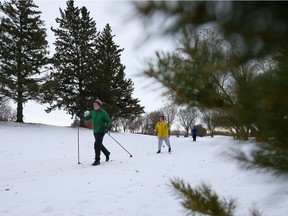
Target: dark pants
{"type": "Point", "coordinates": [194, 138]}
{"type": "Point", "coordinates": [98, 146]}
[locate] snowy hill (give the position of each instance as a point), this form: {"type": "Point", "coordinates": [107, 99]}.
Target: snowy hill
{"type": "Point", "coordinates": [40, 175]}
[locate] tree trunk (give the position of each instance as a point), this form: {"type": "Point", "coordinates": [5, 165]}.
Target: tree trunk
{"type": "Point", "coordinates": [19, 112]}
{"type": "Point", "coordinates": [187, 132]}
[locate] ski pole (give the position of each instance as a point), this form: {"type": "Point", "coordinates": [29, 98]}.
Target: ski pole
{"type": "Point", "coordinates": [78, 140]}
{"type": "Point", "coordinates": [119, 144]}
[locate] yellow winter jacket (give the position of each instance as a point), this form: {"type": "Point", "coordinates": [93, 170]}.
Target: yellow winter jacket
{"type": "Point", "coordinates": [161, 129]}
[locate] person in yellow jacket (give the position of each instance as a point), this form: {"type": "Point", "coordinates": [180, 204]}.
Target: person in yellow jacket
{"type": "Point", "coordinates": [161, 129]}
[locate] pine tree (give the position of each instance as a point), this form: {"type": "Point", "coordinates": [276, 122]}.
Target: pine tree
{"type": "Point", "coordinates": [203, 200]}
{"type": "Point", "coordinates": [23, 52]}
{"type": "Point", "coordinates": [74, 61]}
{"type": "Point", "coordinates": [114, 87]}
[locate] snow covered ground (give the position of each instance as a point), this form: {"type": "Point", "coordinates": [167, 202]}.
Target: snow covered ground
{"type": "Point", "coordinates": [39, 174]}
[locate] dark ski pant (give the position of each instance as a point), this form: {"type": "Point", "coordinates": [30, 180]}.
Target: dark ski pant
{"type": "Point", "coordinates": [98, 146]}
{"type": "Point", "coordinates": [194, 138]}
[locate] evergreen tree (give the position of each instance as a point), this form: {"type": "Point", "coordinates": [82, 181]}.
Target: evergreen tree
{"type": "Point", "coordinates": [87, 67]}
{"type": "Point", "coordinates": [23, 52]}
{"type": "Point", "coordinates": [74, 61]}
{"type": "Point", "coordinates": [112, 86]}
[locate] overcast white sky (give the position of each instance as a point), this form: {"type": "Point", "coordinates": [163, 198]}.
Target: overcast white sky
{"type": "Point", "coordinates": [129, 34]}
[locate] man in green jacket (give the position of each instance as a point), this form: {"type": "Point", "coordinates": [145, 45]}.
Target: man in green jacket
{"type": "Point", "coordinates": [101, 124]}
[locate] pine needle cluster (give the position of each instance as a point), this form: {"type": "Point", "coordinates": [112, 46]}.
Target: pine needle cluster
{"type": "Point", "coordinates": [202, 200]}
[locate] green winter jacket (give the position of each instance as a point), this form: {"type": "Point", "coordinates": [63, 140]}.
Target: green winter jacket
{"type": "Point", "coordinates": [100, 120]}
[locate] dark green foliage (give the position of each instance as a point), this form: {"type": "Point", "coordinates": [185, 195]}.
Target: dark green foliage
{"type": "Point", "coordinates": [274, 103]}
{"type": "Point", "coordinates": [194, 71]}
{"type": "Point", "coordinates": [201, 131]}
{"type": "Point", "coordinates": [262, 25]}
{"type": "Point", "coordinates": [265, 157]}
{"type": "Point", "coordinates": [74, 61]}
{"type": "Point", "coordinates": [88, 66]}
{"type": "Point", "coordinates": [114, 88]}
{"type": "Point", "coordinates": [23, 52]}
{"type": "Point", "coordinates": [202, 200]}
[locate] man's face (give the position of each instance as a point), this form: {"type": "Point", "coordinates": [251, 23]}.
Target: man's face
{"type": "Point", "coordinates": [96, 106]}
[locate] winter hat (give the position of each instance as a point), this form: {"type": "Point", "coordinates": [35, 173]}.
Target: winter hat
{"type": "Point", "coordinates": [99, 102]}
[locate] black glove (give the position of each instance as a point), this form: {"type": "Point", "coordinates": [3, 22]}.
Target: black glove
{"type": "Point", "coordinates": [106, 130]}
{"type": "Point", "coordinates": [79, 114]}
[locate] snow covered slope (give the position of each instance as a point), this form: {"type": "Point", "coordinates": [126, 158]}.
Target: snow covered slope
{"type": "Point", "coordinates": [40, 176]}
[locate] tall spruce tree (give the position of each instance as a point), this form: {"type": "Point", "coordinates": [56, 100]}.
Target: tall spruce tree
{"type": "Point", "coordinates": [114, 87]}
{"type": "Point", "coordinates": [23, 52]}
{"type": "Point", "coordinates": [74, 61]}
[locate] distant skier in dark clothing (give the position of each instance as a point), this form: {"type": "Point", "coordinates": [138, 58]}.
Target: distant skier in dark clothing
{"type": "Point", "coordinates": [194, 133]}
{"type": "Point", "coordinates": [101, 123]}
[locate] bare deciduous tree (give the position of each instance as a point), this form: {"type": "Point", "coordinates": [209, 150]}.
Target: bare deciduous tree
{"type": "Point", "coordinates": [6, 112]}
{"type": "Point", "coordinates": [208, 119]}
{"type": "Point", "coordinates": [169, 113]}
{"type": "Point", "coordinates": [187, 117]}
{"type": "Point", "coordinates": [144, 124]}
{"type": "Point", "coordinates": [136, 124]}
{"type": "Point", "coordinates": [125, 123]}
{"type": "Point", "coordinates": [153, 119]}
